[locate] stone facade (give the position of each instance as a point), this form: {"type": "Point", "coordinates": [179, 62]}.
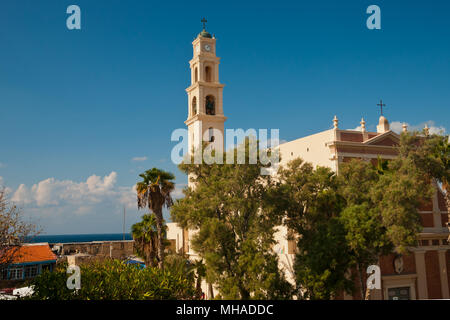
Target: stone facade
{"type": "Point", "coordinates": [101, 249]}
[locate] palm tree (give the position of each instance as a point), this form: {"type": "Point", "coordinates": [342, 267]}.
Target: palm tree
{"type": "Point", "coordinates": [200, 269]}
{"type": "Point", "coordinates": [154, 192]}
{"type": "Point", "coordinates": [145, 237]}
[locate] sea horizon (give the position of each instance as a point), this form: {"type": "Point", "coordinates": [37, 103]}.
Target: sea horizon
{"type": "Point", "coordinates": [79, 237]}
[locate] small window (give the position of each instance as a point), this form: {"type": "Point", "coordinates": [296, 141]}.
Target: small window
{"type": "Point", "coordinates": [195, 75]}
{"type": "Point", "coordinates": [15, 273]}
{"type": "Point", "coordinates": [31, 271]}
{"type": "Point", "coordinates": [401, 293]}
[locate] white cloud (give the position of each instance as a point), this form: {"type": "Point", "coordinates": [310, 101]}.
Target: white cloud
{"type": "Point", "coordinates": [53, 196]}
{"type": "Point", "coordinates": [22, 195]}
{"type": "Point", "coordinates": [397, 127]}
{"type": "Point", "coordinates": [77, 197]}
{"type": "Point", "coordinates": [91, 205]}
{"type": "Point", "coordinates": [139, 159]}
{"type": "Point", "coordinates": [358, 128]}
{"type": "Point", "coordinates": [128, 196]}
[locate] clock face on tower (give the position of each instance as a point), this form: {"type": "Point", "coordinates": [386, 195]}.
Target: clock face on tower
{"type": "Point", "coordinates": [207, 47]}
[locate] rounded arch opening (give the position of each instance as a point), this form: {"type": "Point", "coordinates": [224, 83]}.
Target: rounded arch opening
{"type": "Point", "coordinates": [210, 104]}
{"type": "Point", "coordinates": [208, 74]}
{"type": "Point", "coordinates": [195, 75]}
{"type": "Point", "coordinates": [194, 106]}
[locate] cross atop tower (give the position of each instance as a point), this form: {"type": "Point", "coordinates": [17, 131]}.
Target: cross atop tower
{"type": "Point", "coordinates": [381, 104]}
{"type": "Point", "coordinates": [204, 21]}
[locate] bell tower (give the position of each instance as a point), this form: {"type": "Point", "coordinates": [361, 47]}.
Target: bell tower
{"type": "Point", "coordinates": [205, 95]}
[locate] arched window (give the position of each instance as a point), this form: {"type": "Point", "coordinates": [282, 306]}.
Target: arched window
{"type": "Point", "coordinates": [208, 74]}
{"type": "Point", "coordinates": [195, 75]}
{"type": "Point", "coordinates": [210, 105]}
{"type": "Point", "coordinates": [211, 134]}
{"type": "Point", "coordinates": [194, 106]}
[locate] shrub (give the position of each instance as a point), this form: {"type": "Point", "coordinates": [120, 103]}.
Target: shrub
{"type": "Point", "coordinates": [113, 280]}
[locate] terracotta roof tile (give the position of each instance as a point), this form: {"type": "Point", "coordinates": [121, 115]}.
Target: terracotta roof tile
{"type": "Point", "coordinates": [33, 253]}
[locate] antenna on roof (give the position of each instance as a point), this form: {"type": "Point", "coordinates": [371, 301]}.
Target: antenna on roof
{"type": "Point", "coordinates": [123, 228]}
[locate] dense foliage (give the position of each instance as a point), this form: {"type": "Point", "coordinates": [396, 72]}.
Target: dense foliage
{"type": "Point", "coordinates": [235, 226]}
{"type": "Point", "coordinates": [309, 197]}
{"type": "Point", "coordinates": [115, 280]}
{"type": "Point", "coordinates": [431, 155]}
{"type": "Point", "coordinates": [346, 222]}
{"type": "Point", "coordinates": [145, 236]}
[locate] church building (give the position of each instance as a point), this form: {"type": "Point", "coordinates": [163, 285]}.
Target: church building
{"type": "Point", "coordinates": [423, 274]}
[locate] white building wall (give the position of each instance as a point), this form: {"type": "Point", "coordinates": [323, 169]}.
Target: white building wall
{"type": "Point", "coordinates": [311, 149]}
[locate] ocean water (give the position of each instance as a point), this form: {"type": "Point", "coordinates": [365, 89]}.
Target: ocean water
{"type": "Point", "coordinates": [65, 238]}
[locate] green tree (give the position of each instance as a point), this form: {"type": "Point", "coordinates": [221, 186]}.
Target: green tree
{"type": "Point", "coordinates": [145, 237]}
{"type": "Point", "coordinates": [381, 209]}
{"type": "Point", "coordinates": [235, 227]}
{"type": "Point", "coordinates": [180, 265]}
{"type": "Point", "coordinates": [154, 192]}
{"type": "Point", "coordinates": [312, 206]}
{"type": "Point", "coordinates": [345, 222]}
{"type": "Point", "coordinates": [114, 280]}
{"type": "Point", "coordinates": [431, 155]}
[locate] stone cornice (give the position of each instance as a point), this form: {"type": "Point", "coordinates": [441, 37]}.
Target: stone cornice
{"type": "Point", "coordinates": [207, 57]}
{"type": "Point", "coordinates": [356, 144]}
{"type": "Point", "coordinates": [206, 117]}
{"type": "Point", "coordinates": [205, 85]}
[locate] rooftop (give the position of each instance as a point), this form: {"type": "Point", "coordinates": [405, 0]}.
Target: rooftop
{"type": "Point", "coordinates": [34, 252]}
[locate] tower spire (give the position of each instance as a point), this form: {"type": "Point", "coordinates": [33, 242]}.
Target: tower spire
{"type": "Point", "coordinates": [205, 119]}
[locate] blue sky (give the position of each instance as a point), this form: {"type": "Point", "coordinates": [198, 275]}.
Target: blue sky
{"type": "Point", "coordinates": [76, 106]}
